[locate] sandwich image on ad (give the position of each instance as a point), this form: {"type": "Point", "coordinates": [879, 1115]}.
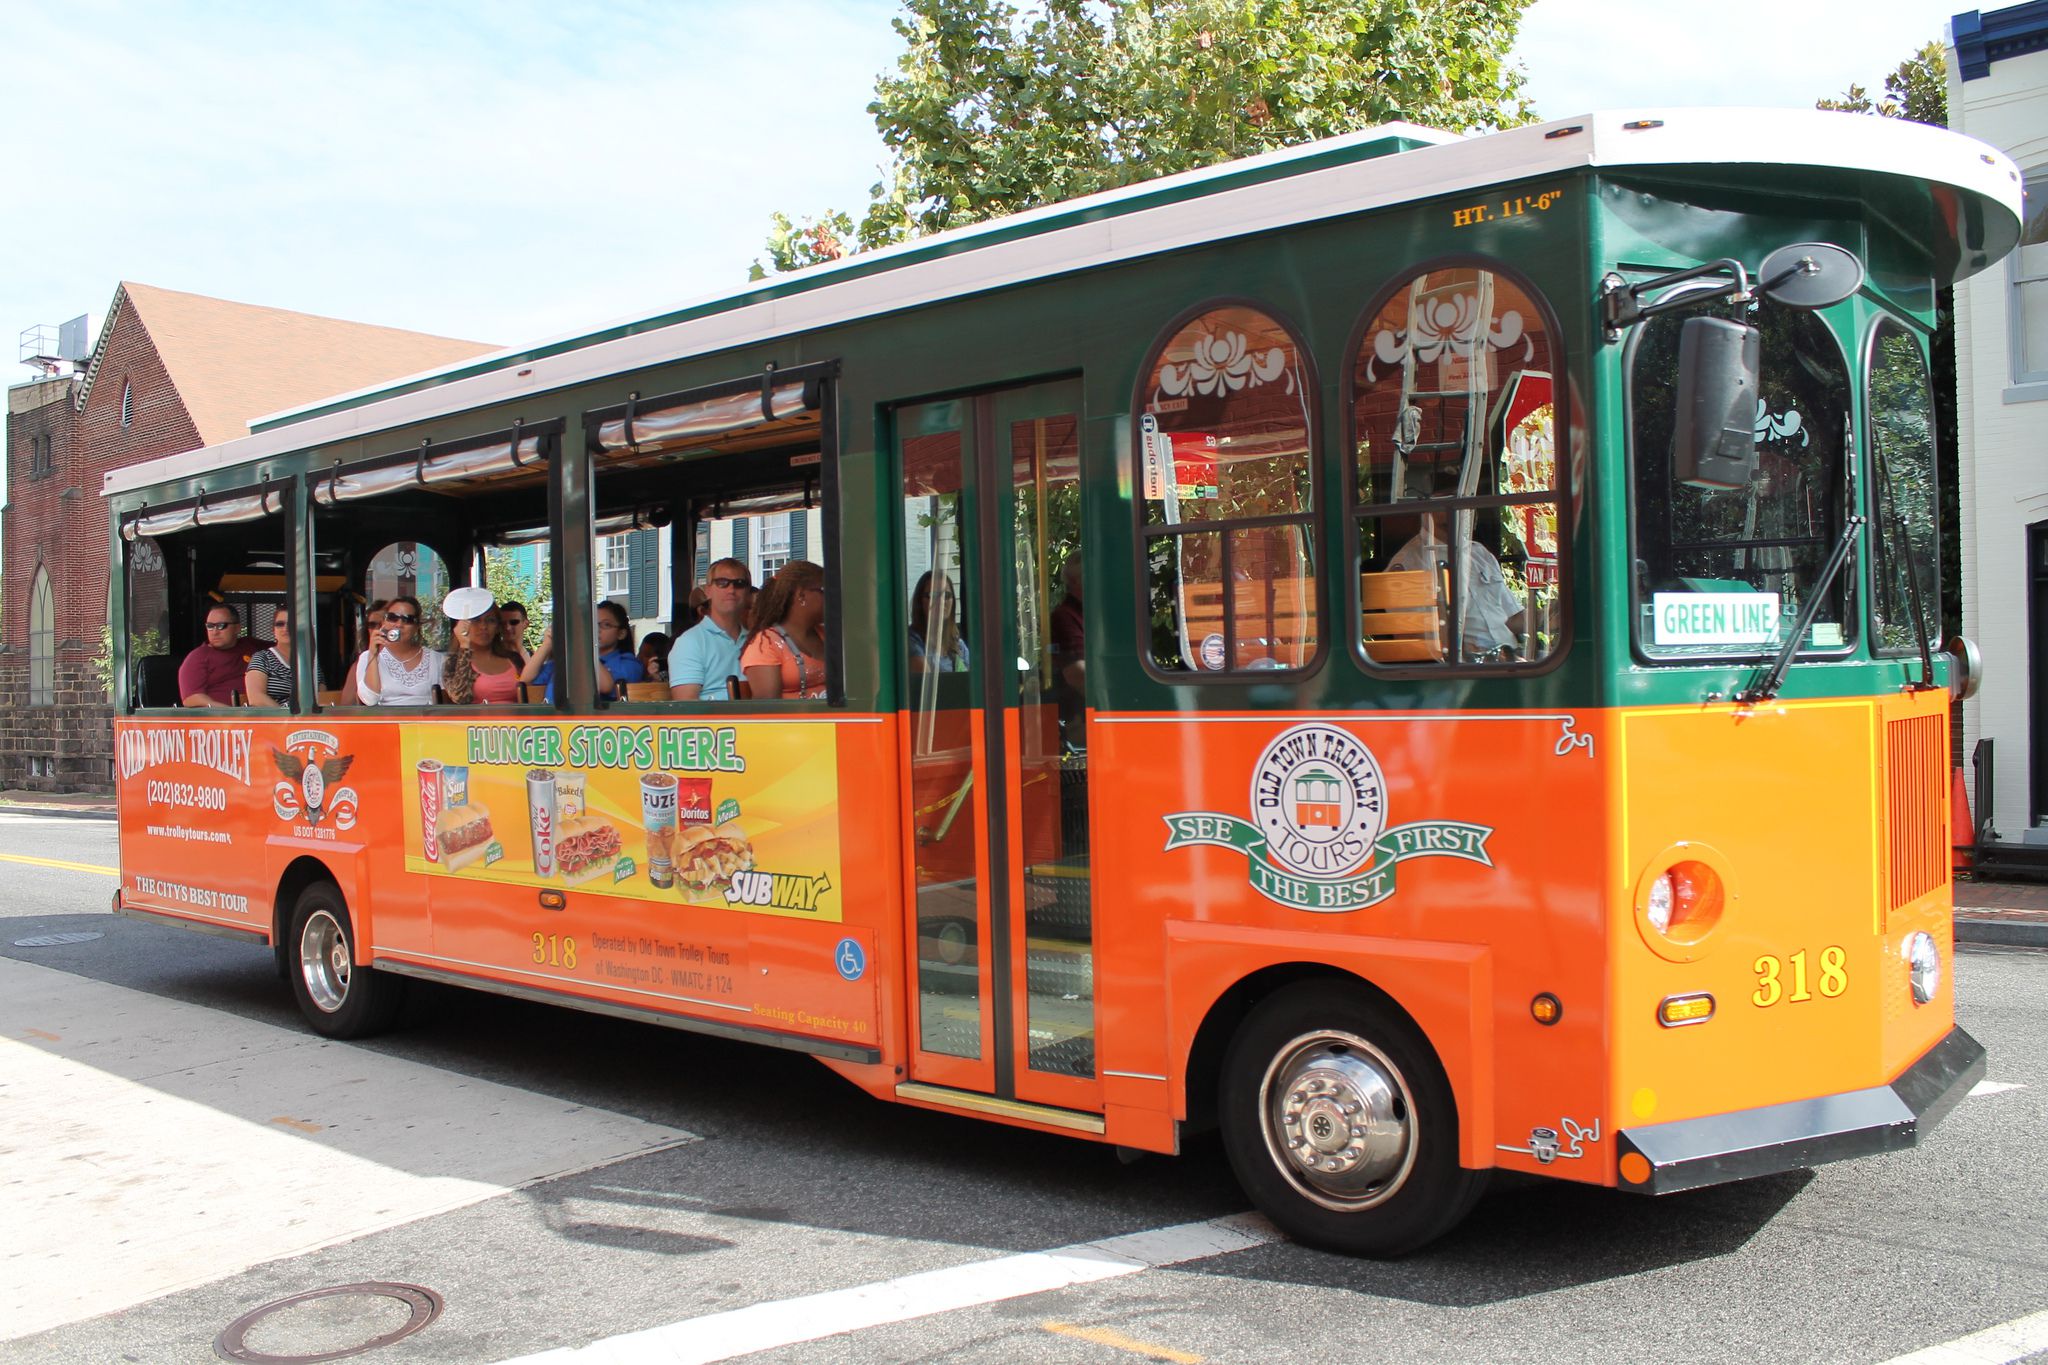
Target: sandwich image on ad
{"type": "Point", "coordinates": [587, 847]}
{"type": "Point", "coordinates": [706, 856]}
{"type": "Point", "coordinates": [465, 832]}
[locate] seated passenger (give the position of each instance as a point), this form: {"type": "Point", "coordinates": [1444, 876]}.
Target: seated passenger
{"type": "Point", "coordinates": [708, 653]}
{"type": "Point", "coordinates": [616, 664]}
{"type": "Point", "coordinates": [398, 669]}
{"type": "Point", "coordinates": [512, 628]}
{"type": "Point", "coordinates": [269, 679]}
{"type": "Point", "coordinates": [482, 669]}
{"type": "Point", "coordinates": [373, 622]}
{"type": "Point", "coordinates": [212, 674]}
{"type": "Point", "coordinates": [654, 656]}
{"type": "Point", "coordinates": [945, 651]}
{"type": "Point", "coordinates": [1494, 618]}
{"type": "Point", "coordinates": [785, 656]}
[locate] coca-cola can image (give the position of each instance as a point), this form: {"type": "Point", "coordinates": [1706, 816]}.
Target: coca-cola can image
{"type": "Point", "coordinates": [543, 811]}
{"type": "Point", "coordinates": [430, 807]}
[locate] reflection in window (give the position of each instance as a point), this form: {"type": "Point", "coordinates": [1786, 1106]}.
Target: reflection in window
{"type": "Point", "coordinates": [2030, 286]}
{"type": "Point", "coordinates": [1727, 570]}
{"type": "Point", "coordinates": [1224, 448]}
{"type": "Point", "coordinates": [408, 568]}
{"type": "Point", "coordinates": [1905, 547]}
{"type": "Point", "coordinates": [1453, 420]}
{"type": "Point", "coordinates": [42, 642]}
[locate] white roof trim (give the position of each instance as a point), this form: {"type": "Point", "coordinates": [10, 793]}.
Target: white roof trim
{"type": "Point", "coordinates": [1453, 165]}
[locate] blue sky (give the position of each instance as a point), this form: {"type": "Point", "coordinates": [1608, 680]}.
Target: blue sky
{"type": "Point", "coordinates": [505, 170]}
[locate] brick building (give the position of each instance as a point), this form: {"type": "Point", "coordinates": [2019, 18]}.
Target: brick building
{"type": "Point", "coordinates": [169, 372]}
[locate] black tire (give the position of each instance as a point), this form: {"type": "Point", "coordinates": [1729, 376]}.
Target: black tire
{"type": "Point", "coordinates": [1387, 1178]}
{"type": "Point", "coordinates": [338, 998]}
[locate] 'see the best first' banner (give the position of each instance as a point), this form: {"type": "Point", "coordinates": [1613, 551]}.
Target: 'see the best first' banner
{"type": "Point", "coordinates": [738, 817]}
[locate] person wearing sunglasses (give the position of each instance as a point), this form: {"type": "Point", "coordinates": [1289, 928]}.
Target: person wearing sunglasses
{"type": "Point", "coordinates": [708, 654]}
{"type": "Point", "coordinates": [212, 674]}
{"type": "Point", "coordinates": [373, 622]}
{"type": "Point", "coordinates": [616, 663]}
{"type": "Point", "coordinates": [399, 669]}
{"type": "Point", "coordinates": [268, 681]}
{"type": "Point", "coordinates": [786, 655]}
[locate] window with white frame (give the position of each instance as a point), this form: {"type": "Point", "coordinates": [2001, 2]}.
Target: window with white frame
{"type": "Point", "coordinates": [774, 551]}
{"type": "Point", "coordinates": [2030, 286]}
{"type": "Point", "coordinates": [42, 642]}
{"type": "Point", "coordinates": [616, 578]}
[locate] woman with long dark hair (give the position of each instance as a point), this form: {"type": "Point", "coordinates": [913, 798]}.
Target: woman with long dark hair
{"type": "Point", "coordinates": [785, 653]}
{"type": "Point", "coordinates": [482, 667]}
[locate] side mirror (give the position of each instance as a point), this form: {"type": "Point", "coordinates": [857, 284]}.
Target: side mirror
{"type": "Point", "coordinates": [1713, 440]}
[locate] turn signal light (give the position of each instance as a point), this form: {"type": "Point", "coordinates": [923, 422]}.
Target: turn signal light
{"type": "Point", "coordinates": [1546, 1008]}
{"type": "Point", "coordinates": [1685, 1009]}
{"type": "Point", "coordinates": [554, 900]}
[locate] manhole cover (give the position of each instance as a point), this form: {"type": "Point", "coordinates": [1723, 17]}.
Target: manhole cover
{"type": "Point", "coordinates": [328, 1324]}
{"type": "Point", "coordinates": [53, 940]}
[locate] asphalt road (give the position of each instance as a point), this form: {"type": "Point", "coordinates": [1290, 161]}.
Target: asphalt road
{"type": "Point", "coordinates": [796, 1185]}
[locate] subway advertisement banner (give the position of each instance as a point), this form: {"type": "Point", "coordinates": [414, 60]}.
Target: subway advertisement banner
{"type": "Point", "coordinates": [732, 817]}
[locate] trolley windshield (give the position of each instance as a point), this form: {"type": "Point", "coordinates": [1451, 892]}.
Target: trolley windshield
{"type": "Point", "coordinates": [1720, 571]}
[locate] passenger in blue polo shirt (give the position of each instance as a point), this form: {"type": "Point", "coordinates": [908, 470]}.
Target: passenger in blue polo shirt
{"type": "Point", "coordinates": [708, 653]}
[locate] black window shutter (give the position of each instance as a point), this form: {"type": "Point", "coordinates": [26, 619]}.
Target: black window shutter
{"type": "Point", "coordinates": [799, 534]}
{"type": "Point", "coordinates": [643, 555]}
{"type": "Point", "coordinates": [703, 553]}
{"type": "Point", "coordinates": [739, 542]}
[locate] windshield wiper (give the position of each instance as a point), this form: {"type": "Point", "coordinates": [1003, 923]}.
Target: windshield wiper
{"type": "Point", "coordinates": [1767, 684]}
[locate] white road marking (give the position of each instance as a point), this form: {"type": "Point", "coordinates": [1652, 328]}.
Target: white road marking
{"type": "Point", "coordinates": [147, 1145]}
{"type": "Point", "coordinates": [2000, 1345]}
{"type": "Point", "coordinates": [1994, 1088]}
{"type": "Point", "coordinates": [785, 1322]}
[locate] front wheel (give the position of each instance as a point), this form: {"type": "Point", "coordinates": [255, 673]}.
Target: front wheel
{"type": "Point", "coordinates": [338, 998]}
{"type": "Point", "coordinates": [1340, 1123]}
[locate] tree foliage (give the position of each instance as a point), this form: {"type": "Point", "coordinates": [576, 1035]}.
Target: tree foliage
{"type": "Point", "coordinates": [995, 107]}
{"type": "Point", "coordinates": [1917, 89]}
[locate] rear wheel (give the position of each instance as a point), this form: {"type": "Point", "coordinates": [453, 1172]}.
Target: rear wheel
{"type": "Point", "coordinates": [1341, 1125]}
{"type": "Point", "coordinates": [338, 998]}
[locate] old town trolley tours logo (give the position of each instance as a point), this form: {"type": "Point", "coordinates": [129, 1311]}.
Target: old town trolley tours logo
{"type": "Point", "coordinates": [1318, 838]}
{"type": "Point", "coordinates": [308, 767]}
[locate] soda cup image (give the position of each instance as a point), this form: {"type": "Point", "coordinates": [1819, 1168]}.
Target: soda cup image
{"type": "Point", "coordinates": [454, 785]}
{"type": "Point", "coordinates": [543, 811]}
{"type": "Point", "coordinates": [430, 807]}
{"type": "Point", "coordinates": [658, 817]}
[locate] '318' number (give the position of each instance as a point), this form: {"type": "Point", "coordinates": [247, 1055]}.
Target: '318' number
{"type": "Point", "coordinates": [1772, 972]}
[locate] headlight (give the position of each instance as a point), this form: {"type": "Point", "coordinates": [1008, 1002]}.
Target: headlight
{"type": "Point", "coordinates": [1658, 909]}
{"type": "Point", "coordinates": [1923, 965]}
{"type": "Point", "coordinates": [1684, 902]}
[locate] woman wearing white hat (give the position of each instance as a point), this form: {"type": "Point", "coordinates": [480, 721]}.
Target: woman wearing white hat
{"type": "Point", "coordinates": [482, 669]}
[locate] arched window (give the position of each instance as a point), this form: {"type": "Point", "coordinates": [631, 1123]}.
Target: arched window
{"type": "Point", "coordinates": [1454, 462]}
{"type": "Point", "coordinates": [42, 642]}
{"type": "Point", "coordinates": [407, 568]}
{"type": "Point", "coordinates": [127, 404]}
{"type": "Point", "coordinates": [1226, 431]}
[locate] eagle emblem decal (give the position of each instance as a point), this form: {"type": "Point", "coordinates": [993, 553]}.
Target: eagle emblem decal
{"type": "Point", "coordinates": [309, 769]}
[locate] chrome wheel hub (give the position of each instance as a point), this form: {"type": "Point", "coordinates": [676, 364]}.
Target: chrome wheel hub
{"type": "Point", "coordinates": [323, 961]}
{"type": "Point", "coordinates": [1338, 1120]}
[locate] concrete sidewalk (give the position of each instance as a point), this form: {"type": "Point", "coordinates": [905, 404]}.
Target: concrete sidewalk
{"type": "Point", "coordinates": [2014, 914]}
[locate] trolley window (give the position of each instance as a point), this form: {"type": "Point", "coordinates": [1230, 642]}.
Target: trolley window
{"type": "Point", "coordinates": [1454, 453]}
{"type": "Point", "coordinates": [1226, 427]}
{"type": "Point", "coordinates": [1906, 544]}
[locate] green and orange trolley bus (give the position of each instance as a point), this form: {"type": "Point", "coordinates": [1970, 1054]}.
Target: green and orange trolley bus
{"type": "Point", "coordinates": [1418, 651]}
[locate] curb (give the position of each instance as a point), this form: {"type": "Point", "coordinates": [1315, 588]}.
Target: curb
{"type": "Point", "coordinates": [65, 812]}
{"type": "Point", "coordinates": [2004, 933]}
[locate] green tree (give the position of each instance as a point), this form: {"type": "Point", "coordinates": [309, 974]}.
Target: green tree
{"type": "Point", "coordinates": [995, 107]}
{"type": "Point", "coordinates": [1917, 90]}
{"type": "Point", "coordinates": [508, 581]}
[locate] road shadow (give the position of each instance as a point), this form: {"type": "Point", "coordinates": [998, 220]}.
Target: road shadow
{"type": "Point", "coordinates": [805, 1148]}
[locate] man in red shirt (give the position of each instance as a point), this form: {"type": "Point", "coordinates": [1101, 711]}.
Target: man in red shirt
{"type": "Point", "coordinates": [212, 674]}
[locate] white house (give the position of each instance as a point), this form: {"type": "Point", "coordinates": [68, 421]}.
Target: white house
{"type": "Point", "coordinates": [1998, 93]}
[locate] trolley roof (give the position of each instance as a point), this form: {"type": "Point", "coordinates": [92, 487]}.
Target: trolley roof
{"type": "Point", "coordinates": [1374, 168]}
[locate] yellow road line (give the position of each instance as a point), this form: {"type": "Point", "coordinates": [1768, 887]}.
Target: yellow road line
{"type": "Point", "coordinates": [1105, 1336]}
{"type": "Point", "coordinates": [59, 862]}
